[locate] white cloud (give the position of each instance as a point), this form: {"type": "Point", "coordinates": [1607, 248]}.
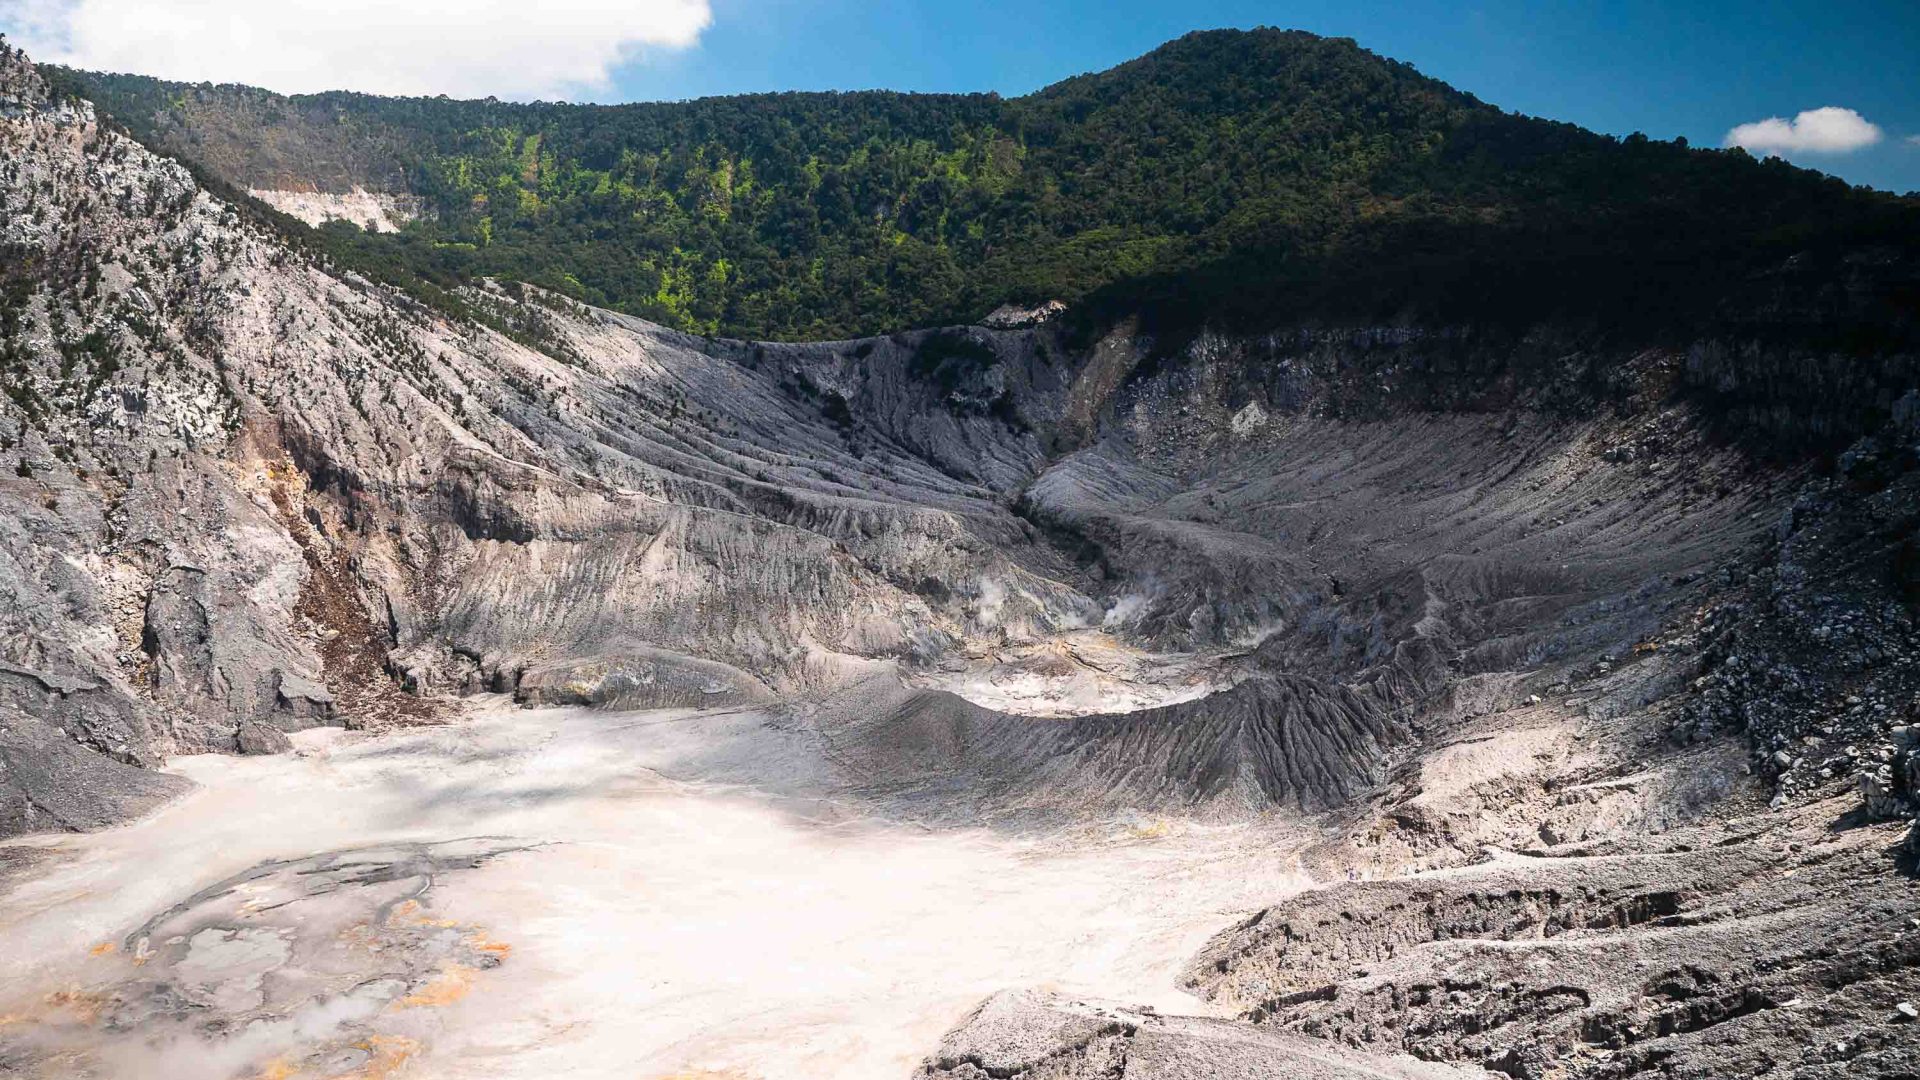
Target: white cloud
{"type": "Point", "coordinates": [1830, 130]}
{"type": "Point", "coordinates": [466, 48]}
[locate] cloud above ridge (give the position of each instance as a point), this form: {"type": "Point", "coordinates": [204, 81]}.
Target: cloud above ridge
{"type": "Point", "coordinates": [1829, 130]}
{"type": "Point", "coordinates": [521, 49]}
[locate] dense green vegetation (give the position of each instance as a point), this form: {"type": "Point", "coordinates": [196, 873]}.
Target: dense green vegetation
{"type": "Point", "coordinates": [1250, 178]}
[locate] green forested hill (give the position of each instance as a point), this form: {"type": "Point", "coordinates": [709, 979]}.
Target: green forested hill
{"type": "Point", "coordinates": [1237, 176]}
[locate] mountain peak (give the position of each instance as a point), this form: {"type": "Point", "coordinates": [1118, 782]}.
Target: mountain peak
{"type": "Point", "coordinates": [21, 84]}
{"type": "Point", "coordinates": [1270, 61]}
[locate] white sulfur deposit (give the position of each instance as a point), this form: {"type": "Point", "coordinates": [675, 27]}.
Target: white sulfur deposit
{"type": "Point", "coordinates": [374, 211]}
{"type": "Point", "coordinates": [677, 892]}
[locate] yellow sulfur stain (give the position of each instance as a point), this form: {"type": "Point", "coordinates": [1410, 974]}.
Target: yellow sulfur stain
{"type": "Point", "coordinates": [451, 985]}
{"type": "Point", "coordinates": [278, 1069]}
{"type": "Point", "coordinates": [1154, 831]}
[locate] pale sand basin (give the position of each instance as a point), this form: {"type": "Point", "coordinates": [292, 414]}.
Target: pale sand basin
{"type": "Point", "coordinates": [674, 918]}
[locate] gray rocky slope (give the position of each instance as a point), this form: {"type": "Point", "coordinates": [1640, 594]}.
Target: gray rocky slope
{"type": "Point", "coordinates": [1639, 695]}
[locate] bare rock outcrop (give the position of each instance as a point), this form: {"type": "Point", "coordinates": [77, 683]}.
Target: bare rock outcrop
{"type": "Point", "coordinates": [49, 783]}
{"type": "Point", "coordinates": [1030, 1035]}
{"type": "Point", "coordinates": [1719, 961]}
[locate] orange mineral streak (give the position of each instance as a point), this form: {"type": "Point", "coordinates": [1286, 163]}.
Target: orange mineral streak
{"type": "Point", "coordinates": [390, 1055]}
{"type": "Point", "coordinates": [408, 913]}
{"type": "Point", "coordinates": [85, 1005]}
{"type": "Point", "coordinates": [478, 941]}
{"type": "Point", "coordinates": [102, 949]}
{"type": "Point", "coordinates": [278, 1069]}
{"type": "Point", "coordinates": [360, 936]}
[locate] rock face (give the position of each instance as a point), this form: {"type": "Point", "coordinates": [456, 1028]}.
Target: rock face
{"type": "Point", "coordinates": [245, 493]}
{"type": "Point", "coordinates": [251, 493]}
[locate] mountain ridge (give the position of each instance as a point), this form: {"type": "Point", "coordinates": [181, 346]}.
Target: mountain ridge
{"type": "Point", "coordinates": [1271, 159]}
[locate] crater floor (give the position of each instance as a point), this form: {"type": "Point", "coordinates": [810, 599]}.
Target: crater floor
{"type": "Point", "coordinates": [538, 893]}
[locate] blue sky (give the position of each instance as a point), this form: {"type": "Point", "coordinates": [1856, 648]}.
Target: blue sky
{"type": "Point", "coordinates": [1694, 69]}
